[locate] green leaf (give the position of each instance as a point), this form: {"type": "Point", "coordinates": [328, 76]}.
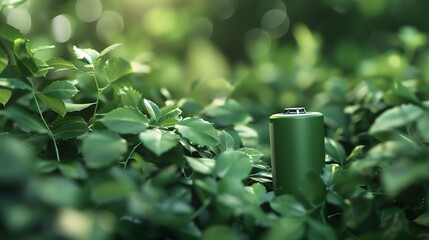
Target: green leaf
{"type": "Point", "coordinates": [288, 206]}
{"type": "Point", "coordinates": [226, 142]}
{"type": "Point", "coordinates": [25, 60]}
{"type": "Point", "coordinates": [247, 135]}
{"type": "Point", "coordinates": [60, 89]}
{"type": "Point", "coordinates": [207, 183]}
{"type": "Point", "coordinates": [396, 117]}
{"type": "Point", "coordinates": [255, 155]}
{"type": "Point", "coordinates": [61, 64]}
{"type": "Point", "coordinates": [356, 211]}
{"type": "Point", "coordinates": [73, 170]}
{"type": "Point", "coordinates": [233, 164]}
{"type": "Point", "coordinates": [101, 149]}
{"type": "Point", "coordinates": [125, 121]}
{"type": "Point", "coordinates": [157, 141]}
{"type": "Point", "coordinates": [4, 60]}
{"type": "Point", "coordinates": [46, 166]}
{"type": "Point", "coordinates": [25, 120]}
{"type": "Point", "coordinates": [14, 83]}
{"type": "Point", "coordinates": [259, 191]}
{"type": "Point", "coordinates": [198, 131]}
{"type": "Point", "coordinates": [356, 152]}
{"type": "Point", "coordinates": [16, 159]}
{"type": "Point", "coordinates": [286, 228]}
{"type": "Point", "coordinates": [87, 54]}
{"type": "Point", "coordinates": [320, 231]}
{"type": "Point", "coordinates": [12, 3]}
{"type": "Point", "coordinates": [109, 49]}
{"type": "Point", "coordinates": [56, 190]}
{"type": "Point", "coordinates": [402, 174]}
{"type": "Point", "coordinates": [129, 96]}
{"type": "Point", "coordinates": [76, 107]}
{"type": "Point", "coordinates": [116, 68]}
{"type": "Point", "coordinates": [219, 231]}
{"type": "Point", "coordinates": [109, 191]}
{"type": "Point", "coordinates": [24, 57]}
{"type": "Point", "coordinates": [10, 33]}
{"type": "Point", "coordinates": [202, 165]}
{"type": "Point", "coordinates": [335, 151]}
{"type": "Point", "coordinates": [232, 193]}
{"type": "Point", "coordinates": [70, 128]}
{"type": "Point", "coordinates": [5, 95]}
{"type": "Point", "coordinates": [170, 115]}
{"type": "Point", "coordinates": [263, 176]}
{"type": "Point", "coordinates": [165, 175]}
{"type": "Point", "coordinates": [191, 231]}
{"type": "Point", "coordinates": [228, 113]}
{"type": "Point", "coordinates": [55, 104]}
{"type": "Point", "coordinates": [190, 107]}
{"type": "Point", "coordinates": [43, 68]}
{"type": "Point", "coordinates": [399, 94]}
{"type": "Point", "coordinates": [185, 143]}
{"type": "Point", "coordinates": [313, 188]}
{"type": "Point", "coordinates": [153, 110]}
{"type": "Point", "coordinates": [423, 219]}
{"type": "Point", "coordinates": [42, 48]}
{"type": "Point", "coordinates": [423, 126]}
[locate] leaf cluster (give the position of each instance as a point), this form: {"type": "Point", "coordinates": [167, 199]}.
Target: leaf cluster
{"type": "Point", "coordinates": [85, 150]}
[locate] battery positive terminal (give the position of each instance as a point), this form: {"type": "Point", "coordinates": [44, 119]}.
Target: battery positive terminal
{"type": "Point", "coordinates": [297, 110]}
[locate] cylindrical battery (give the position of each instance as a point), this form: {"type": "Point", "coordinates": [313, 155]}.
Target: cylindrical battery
{"type": "Point", "coordinates": [297, 148]}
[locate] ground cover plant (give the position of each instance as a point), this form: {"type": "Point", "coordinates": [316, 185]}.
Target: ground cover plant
{"type": "Point", "coordinates": [91, 147]}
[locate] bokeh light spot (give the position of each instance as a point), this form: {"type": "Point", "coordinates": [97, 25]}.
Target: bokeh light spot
{"type": "Point", "coordinates": [203, 27]}
{"type": "Point", "coordinates": [224, 9]}
{"type": "Point", "coordinates": [75, 224]}
{"type": "Point", "coordinates": [62, 28]}
{"type": "Point", "coordinates": [273, 18]}
{"type": "Point", "coordinates": [394, 60]}
{"type": "Point", "coordinates": [88, 10]}
{"type": "Point", "coordinates": [276, 22]}
{"type": "Point", "coordinates": [110, 24]}
{"type": "Point", "coordinates": [257, 42]}
{"type": "Point", "coordinates": [159, 21]}
{"type": "Point", "coordinates": [267, 72]}
{"type": "Point", "coordinates": [20, 18]}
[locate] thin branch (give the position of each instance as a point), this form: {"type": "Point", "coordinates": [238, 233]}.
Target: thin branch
{"type": "Point", "coordinates": [51, 135]}
{"type": "Point", "coordinates": [131, 153]}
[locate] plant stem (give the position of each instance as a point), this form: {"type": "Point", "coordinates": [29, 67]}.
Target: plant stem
{"type": "Point", "coordinates": [131, 153]}
{"type": "Point", "coordinates": [51, 135]}
{"type": "Point", "coordinates": [97, 100]}
{"type": "Point", "coordinates": [8, 52]}
{"type": "Point", "coordinates": [201, 209]}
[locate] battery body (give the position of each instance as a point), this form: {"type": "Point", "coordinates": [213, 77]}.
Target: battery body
{"type": "Point", "coordinates": [297, 148]}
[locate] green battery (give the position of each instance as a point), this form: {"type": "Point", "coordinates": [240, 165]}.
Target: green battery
{"type": "Point", "coordinates": [297, 148]}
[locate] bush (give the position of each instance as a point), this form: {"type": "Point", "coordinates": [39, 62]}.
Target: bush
{"type": "Point", "coordinates": [92, 148]}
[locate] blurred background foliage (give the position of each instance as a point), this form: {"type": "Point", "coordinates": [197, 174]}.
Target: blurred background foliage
{"type": "Point", "coordinates": [364, 64]}
{"type": "Point", "coordinates": [266, 54]}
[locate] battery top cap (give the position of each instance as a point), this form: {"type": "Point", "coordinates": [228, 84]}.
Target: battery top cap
{"type": "Point", "coordinates": [297, 110]}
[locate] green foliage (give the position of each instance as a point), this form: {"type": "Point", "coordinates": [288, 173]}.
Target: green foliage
{"type": "Point", "coordinates": [159, 168]}
{"type": "Point", "coordinates": [198, 131]}
{"type": "Point", "coordinates": [173, 144]}
{"type": "Point", "coordinates": [233, 164]}
{"type": "Point", "coordinates": [125, 120]}
{"type": "Point", "coordinates": [60, 89]}
{"type": "Point", "coordinates": [157, 141]}
{"type": "Point", "coordinates": [100, 149]}
{"type": "Point", "coordinates": [5, 95]}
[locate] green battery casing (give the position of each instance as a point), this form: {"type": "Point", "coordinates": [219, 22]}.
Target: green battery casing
{"type": "Point", "coordinates": [297, 148]}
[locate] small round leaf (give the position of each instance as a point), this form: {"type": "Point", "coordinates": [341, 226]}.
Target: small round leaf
{"type": "Point", "coordinates": [103, 148]}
